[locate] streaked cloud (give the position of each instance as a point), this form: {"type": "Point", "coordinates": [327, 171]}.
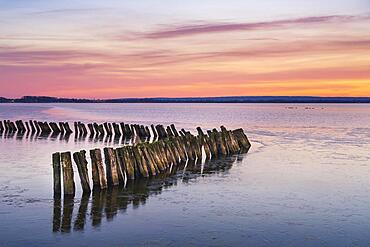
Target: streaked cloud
{"type": "Point", "coordinates": [190, 30]}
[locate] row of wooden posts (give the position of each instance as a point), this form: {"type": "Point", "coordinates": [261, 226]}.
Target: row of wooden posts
{"type": "Point", "coordinates": [144, 159]}
{"type": "Point", "coordinates": [107, 203]}
{"type": "Point", "coordinates": [92, 129]}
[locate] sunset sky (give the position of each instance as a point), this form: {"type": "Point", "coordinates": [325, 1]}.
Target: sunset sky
{"type": "Point", "coordinates": [172, 48]}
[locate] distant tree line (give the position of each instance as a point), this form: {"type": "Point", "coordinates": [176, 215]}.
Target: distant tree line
{"type": "Point", "coordinates": [229, 99]}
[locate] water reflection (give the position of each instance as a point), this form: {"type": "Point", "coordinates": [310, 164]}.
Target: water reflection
{"type": "Point", "coordinates": [108, 203]}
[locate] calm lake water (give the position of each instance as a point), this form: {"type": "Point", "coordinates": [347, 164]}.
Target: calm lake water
{"type": "Point", "coordinates": [304, 182]}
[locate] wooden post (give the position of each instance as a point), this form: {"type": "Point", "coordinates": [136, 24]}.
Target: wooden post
{"type": "Point", "coordinates": [61, 127]}
{"type": "Point", "coordinates": [120, 165]}
{"type": "Point", "coordinates": [122, 128]}
{"type": "Point", "coordinates": [154, 132]}
{"type": "Point", "coordinates": [91, 129]}
{"type": "Point", "coordinates": [116, 129]}
{"type": "Point", "coordinates": [1, 127]}
{"type": "Point", "coordinates": [57, 175]}
{"type": "Point", "coordinates": [54, 127]}
{"type": "Point", "coordinates": [33, 129]}
{"type": "Point", "coordinates": [99, 180]}
{"type": "Point", "coordinates": [107, 129]}
{"type": "Point", "coordinates": [111, 167]}
{"type": "Point", "coordinates": [149, 162]}
{"type": "Point", "coordinates": [12, 126]}
{"type": "Point", "coordinates": [84, 130]}
{"type": "Point", "coordinates": [169, 132]}
{"type": "Point", "coordinates": [174, 130]}
{"type": "Point", "coordinates": [139, 162]}
{"type": "Point", "coordinates": [81, 162]}
{"type": "Point", "coordinates": [130, 167]}
{"type": "Point", "coordinates": [242, 139]}
{"type": "Point", "coordinates": [37, 126]}
{"type": "Point", "coordinates": [27, 126]}
{"type": "Point", "coordinates": [75, 124]}
{"type": "Point", "coordinates": [156, 156]}
{"type": "Point", "coordinates": [68, 181]}
{"type": "Point", "coordinates": [67, 128]}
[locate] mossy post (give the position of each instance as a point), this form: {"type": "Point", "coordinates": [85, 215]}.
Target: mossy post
{"type": "Point", "coordinates": [68, 181]}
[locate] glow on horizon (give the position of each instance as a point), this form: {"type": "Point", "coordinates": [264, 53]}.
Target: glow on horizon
{"type": "Point", "coordinates": [113, 49]}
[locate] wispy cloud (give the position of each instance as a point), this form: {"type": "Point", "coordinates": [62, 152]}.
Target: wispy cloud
{"type": "Point", "coordinates": [189, 30]}
{"type": "Point", "coordinates": [64, 11]}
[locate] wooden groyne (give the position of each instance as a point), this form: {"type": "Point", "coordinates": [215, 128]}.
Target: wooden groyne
{"type": "Point", "coordinates": [71, 215]}
{"type": "Point", "coordinates": [145, 159]}
{"type": "Point", "coordinates": [93, 129]}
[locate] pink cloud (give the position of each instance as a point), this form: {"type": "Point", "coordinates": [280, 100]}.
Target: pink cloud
{"type": "Point", "coordinates": [189, 30]}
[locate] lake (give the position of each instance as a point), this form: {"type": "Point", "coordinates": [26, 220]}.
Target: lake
{"type": "Point", "coordinates": [304, 182]}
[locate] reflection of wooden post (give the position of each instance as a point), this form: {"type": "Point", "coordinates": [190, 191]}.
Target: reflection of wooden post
{"type": "Point", "coordinates": [81, 162]}
{"type": "Point", "coordinates": [98, 175]}
{"type": "Point", "coordinates": [67, 214]}
{"type": "Point", "coordinates": [81, 216]}
{"type": "Point", "coordinates": [68, 182]}
{"type": "Point", "coordinates": [57, 175]}
{"type": "Point", "coordinates": [57, 214]}
{"type": "Point", "coordinates": [111, 166]}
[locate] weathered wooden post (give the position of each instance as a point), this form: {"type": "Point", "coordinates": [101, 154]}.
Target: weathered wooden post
{"type": "Point", "coordinates": [99, 179]}
{"type": "Point", "coordinates": [128, 132]}
{"type": "Point", "coordinates": [120, 165]}
{"type": "Point", "coordinates": [76, 129]}
{"type": "Point", "coordinates": [68, 181]}
{"type": "Point", "coordinates": [37, 126]}
{"type": "Point", "coordinates": [139, 162]}
{"type": "Point", "coordinates": [149, 162]}
{"type": "Point", "coordinates": [106, 127]}
{"type": "Point", "coordinates": [54, 127]}
{"type": "Point", "coordinates": [169, 132]}
{"type": "Point", "coordinates": [12, 126]}
{"type": "Point", "coordinates": [67, 128]}
{"type": "Point", "coordinates": [33, 129]}
{"type": "Point", "coordinates": [61, 127]}
{"type": "Point", "coordinates": [122, 125]}
{"type": "Point", "coordinates": [27, 126]}
{"type": "Point", "coordinates": [81, 162]}
{"type": "Point", "coordinates": [57, 175]}
{"type": "Point", "coordinates": [154, 132]}
{"type": "Point", "coordinates": [84, 129]}
{"type": "Point", "coordinates": [111, 167]}
{"type": "Point", "coordinates": [129, 165]}
{"type": "Point", "coordinates": [242, 139]}
{"type": "Point", "coordinates": [116, 129]}
{"type": "Point", "coordinates": [174, 130]}
{"type": "Point", "coordinates": [147, 131]}
{"type": "Point", "coordinates": [91, 129]}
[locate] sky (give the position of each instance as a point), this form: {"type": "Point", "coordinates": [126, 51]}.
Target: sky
{"type": "Point", "coordinates": [173, 48]}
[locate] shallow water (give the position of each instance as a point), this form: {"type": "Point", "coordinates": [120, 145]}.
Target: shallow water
{"type": "Point", "coordinates": [304, 182]}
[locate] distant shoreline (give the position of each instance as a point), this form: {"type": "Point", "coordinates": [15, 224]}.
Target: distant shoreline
{"type": "Point", "coordinates": [227, 99]}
